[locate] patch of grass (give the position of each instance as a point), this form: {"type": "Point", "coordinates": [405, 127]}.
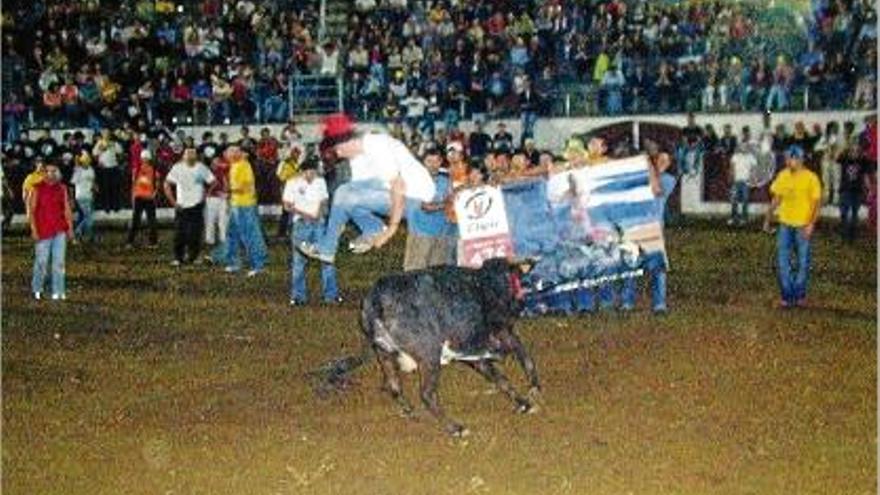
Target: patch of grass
{"type": "Point", "coordinates": [155, 380]}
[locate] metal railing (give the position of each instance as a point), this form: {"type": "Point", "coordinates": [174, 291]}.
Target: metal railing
{"type": "Point", "coordinates": [308, 94]}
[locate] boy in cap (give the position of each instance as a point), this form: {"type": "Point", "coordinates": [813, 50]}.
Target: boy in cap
{"type": "Point", "coordinates": [386, 179]}
{"type": "Point", "coordinates": [305, 198]}
{"type": "Point", "coordinates": [796, 193]}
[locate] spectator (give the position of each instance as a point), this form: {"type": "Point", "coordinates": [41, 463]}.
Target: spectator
{"type": "Point", "coordinates": [51, 225]}
{"type": "Point", "coordinates": [305, 197]}
{"type": "Point", "coordinates": [854, 187]}
{"type": "Point", "coordinates": [287, 169]}
{"type": "Point", "coordinates": [190, 180]}
{"type": "Point", "coordinates": [244, 229]}
{"type": "Point", "coordinates": [108, 153]}
{"type": "Point", "coordinates": [503, 140]}
{"type": "Point", "coordinates": [217, 211]}
{"type": "Point", "coordinates": [796, 193]}
{"type": "Point", "coordinates": [83, 181]}
{"type": "Point", "coordinates": [144, 187]}
{"type": "Point", "coordinates": [428, 242]}
{"type": "Point", "coordinates": [742, 165]}
{"type": "Point", "coordinates": [830, 149]}
{"type": "Point", "coordinates": [662, 185]}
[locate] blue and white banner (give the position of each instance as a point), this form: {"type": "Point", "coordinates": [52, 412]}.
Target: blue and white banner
{"type": "Point", "coordinates": [581, 228]}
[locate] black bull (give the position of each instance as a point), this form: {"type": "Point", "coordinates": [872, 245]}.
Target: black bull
{"type": "Point", "coordinates": [421, 320]}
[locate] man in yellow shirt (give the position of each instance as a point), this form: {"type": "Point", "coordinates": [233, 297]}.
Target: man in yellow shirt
{"type": "Point", "coordinates": [244, 221]}
{"type": "Point", "coordinates": [796, 193]}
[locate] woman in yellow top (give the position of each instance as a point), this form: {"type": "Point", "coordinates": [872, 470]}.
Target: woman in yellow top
{"type": "Point", "coordinates": [244, 221]}
{"type": "Point", "coordinates": [286, 170]}
{"type": "Point", "coordinates": [796, 193]}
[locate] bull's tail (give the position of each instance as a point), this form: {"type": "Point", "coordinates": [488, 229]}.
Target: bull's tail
{"type": "Point", "coordinates": [335, 375]}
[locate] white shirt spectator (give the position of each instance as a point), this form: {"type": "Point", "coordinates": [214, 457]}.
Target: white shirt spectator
{"type": "Point", "coordinates": [190, 182]}
{"type": "Point", "coordinates": [415, 106]}
{"type": "Point", "coordinates": [305, 196]}
{"type": "Point", "coordinates": [385, 158]}
{"type": "Point", "coordinates": [83, 181]}
{"type": "Point", "coordinates": [743, 163]}
{"type": "Point", "coordinates": [329, 61]}
{"type": "Point", "coordinates": [107, 153]}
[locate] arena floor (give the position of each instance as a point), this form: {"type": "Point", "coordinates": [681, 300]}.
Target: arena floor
{"type": "Point", "coordinates": [155, 381]}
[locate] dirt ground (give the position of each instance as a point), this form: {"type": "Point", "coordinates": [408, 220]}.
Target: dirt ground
{"type": "Point", "coordinates": [152, 380]}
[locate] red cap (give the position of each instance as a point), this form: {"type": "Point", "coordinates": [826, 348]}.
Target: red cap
{"type": "Point", "coordinates": [338, 128]}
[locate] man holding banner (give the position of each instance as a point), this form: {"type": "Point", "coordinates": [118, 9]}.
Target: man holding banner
{"type": "Point", "coordinates": [584, 229]}
{"type": "Point", "coordinates": [662, 184]}
{"type": "Point", "coordinates": [386, 180]}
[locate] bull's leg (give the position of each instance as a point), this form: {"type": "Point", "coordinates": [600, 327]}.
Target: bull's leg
{"type": "Point", "coordinates": [429, 377]}
{"type": "Point", "coordinates": [513, 343]}
{"type": "Point", "coordinates": [392, 382]}
{"type": "Point", "coordinates": [493, 374]}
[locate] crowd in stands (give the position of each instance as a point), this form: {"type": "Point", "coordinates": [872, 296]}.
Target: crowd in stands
{"type": "Point", "coordinates": [99, 63]}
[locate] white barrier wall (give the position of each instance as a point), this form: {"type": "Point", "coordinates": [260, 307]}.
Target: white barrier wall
{"type": "Point", "coordinates": [552, 133]}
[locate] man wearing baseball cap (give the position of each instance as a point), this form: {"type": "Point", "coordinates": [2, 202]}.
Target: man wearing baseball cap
{"type": "Point", "coordinates": [796, 192]}
{"type": "Point", "coordinates": [386, 180]}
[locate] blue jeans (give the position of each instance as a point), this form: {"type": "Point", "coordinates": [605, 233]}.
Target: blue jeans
{"type": "Point", "coordinates": [850, 202]}
{"type": "Point", "coordinates": [529, 120]}
{"type": "Point", "coordinates": [362, 202]}
{"type": "Point", "coordinates": [739, 200]}
{"type": "Point", "coordinates": [85, 223]}
{"type": "Point", "coordinates": [244, 231]}
{"type": "Point", "coordinates": [46, 249]}
{"type": "Point", "coordinates": [792, 283]}
{"type": "Point", "coordinates": [274, 109]}
{"type": "Point", "coordinates": [655, 267]}
{"type": "Point", "coordinates": [778, 95]}
{"type": "Point", "coordinates": [305, 231]}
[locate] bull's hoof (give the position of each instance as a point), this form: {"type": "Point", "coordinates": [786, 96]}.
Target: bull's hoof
{"type": "Point", "coordinates": [456, 430]}
{"type": "Point", "coordinates": [408, 412]}
{"type": "Point", "coordinates": [524, 407]}
{"type": "Point", "coordinates": [534, 394]}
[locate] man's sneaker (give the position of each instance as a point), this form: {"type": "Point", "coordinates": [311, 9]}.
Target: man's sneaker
{"type": "Point", "coordinates": [231, 269]}
{"type": "Point", "coordinates": [335, 300]}
{"type": "Point", "coordinates": [360, 246]}
{"type": "Point", "coordinates": [254, 273]}
{"type": "Point", "coordinates": [59, 297]}
{"type": "Point", "coordinates": [731, 222]}
{"type": "Point", "coordinates": [801, 303]}
{"type": "Point", "coordinates": [175, 263]}
{"type": "Point", "coordinates": [783, 304]}
{"type": "Point", "coordinates": [38, 296]}
{"type": "Point", "coordinates": [297, 302]}
{"type": "Point", "coordinates": [364, 243]}
{"type": "Point", "coordinates": [310, 250]}
{"type": "Point", "coordinates": [660, 310]}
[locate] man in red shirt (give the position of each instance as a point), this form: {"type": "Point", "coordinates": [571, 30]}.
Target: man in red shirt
{"type": "Point", "coordinates": [51, 224]}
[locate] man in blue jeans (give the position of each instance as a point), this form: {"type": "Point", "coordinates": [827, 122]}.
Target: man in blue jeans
{"type": "Point", "coordinates": [662, 184]}
{"type": "Point", "coordinates": [305, 197]}
{"type": "Point", "coordinates": [386, 180]}
{"type": "Point", "coordinates": [796, 193]}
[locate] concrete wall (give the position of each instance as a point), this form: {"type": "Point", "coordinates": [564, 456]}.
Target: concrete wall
{"type": "Point", "coordinates": [552, 133]}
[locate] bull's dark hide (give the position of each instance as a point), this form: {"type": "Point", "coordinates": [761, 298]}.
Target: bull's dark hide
{"type": "Point", "coordinates": [421, 320]}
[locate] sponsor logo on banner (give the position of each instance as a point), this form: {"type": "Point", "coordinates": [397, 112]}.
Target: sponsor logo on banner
{"type": "Point", "coordinates": [483, 227]}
